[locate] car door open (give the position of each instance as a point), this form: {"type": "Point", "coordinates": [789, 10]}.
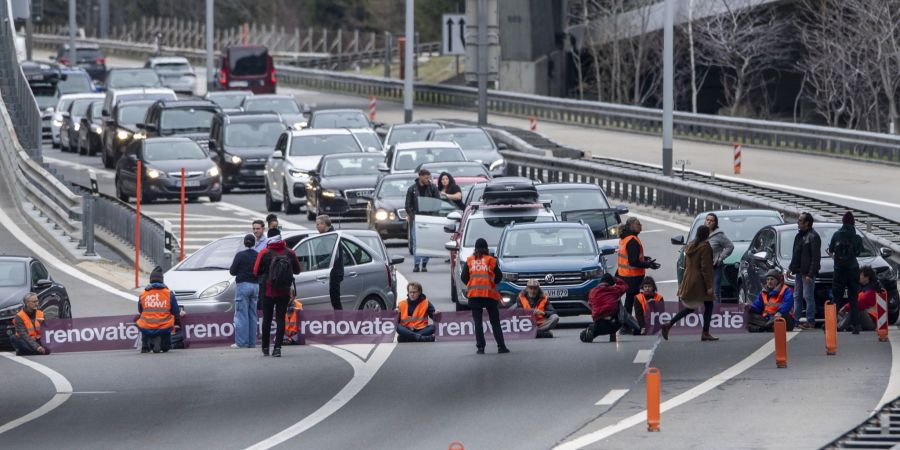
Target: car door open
{"type": "Point", "coordinates": [429, 223]}
{"type": "Point", "coordinates": [316, 255]}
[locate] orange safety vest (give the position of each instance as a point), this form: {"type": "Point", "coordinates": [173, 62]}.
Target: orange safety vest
{"type": "Point", "coordinates": [292, 318]}
{"type": "Point", "coordinates": [645, 303]}
{"type": "Point", "coordinates": [156, 310]}
{"type": "Point", "coordinates": [626, 270]}
{"type": "Point", "coordinates": [419, 317]}
{"type": "Point", "coordinates": [772, 306]}
{"type": "Point", "coordinates": [32, 328]}
{"type": "Point", "coordinates": [481, 278]}
{"type": "Point", "coordinates": [539, 306]}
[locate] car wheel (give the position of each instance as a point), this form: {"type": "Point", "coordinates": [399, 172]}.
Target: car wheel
{"type": "Point", "coordinates": [215, 198]}
{"type": "Point", "coordinates": [271, 205]}
{"type": "Point", "coordinates": [288, 207]}
{"type": "Point", "coordinates": [120, 193]}
{"type": "Point", "coordinates": [66, 311]}
{"type": "Point", "coordinates": [372, 303]}
{"type": "Point", "coordinates": [742, 294]}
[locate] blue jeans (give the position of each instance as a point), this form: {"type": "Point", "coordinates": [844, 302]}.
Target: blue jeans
{"type": "Point", "coordinates": [805, 293]}
{"type": "Point", "coordinates": [245, 297]}
{"type": "Point", "coordinates": [717, 280]}
{"type": "Point", "coordinates": [405, 334]}
{"type": "Point", "coordinates": [412, 233]}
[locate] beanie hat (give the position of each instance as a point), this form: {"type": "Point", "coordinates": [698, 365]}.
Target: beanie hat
{"type": "Point", "coordinates": [774, 273]}
{"type": "Point", "coordinates": [481, 244]}
{"type": "Point", "coordinates": [533, 282]}
{"type": "Point", "coordinates": [848, 219]}
{"type": "Point", "coordinates": [249, 240]}
{"type": "Point", "coordinates": [273, 232]}
{"type": "Point", "coordinates": [607, 279]}
{"type": "Point", "coordinates": [157, 275]}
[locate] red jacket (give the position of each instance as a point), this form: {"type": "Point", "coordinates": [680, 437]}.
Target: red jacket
{"type": "Point", "coordinates": [604, 299]}
{"type": "Point", "coordinates": [261, 268]}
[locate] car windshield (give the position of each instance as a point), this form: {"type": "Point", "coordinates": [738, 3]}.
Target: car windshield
{"type": "Point", "coordinates": [490, 228]}
{"type": "Point", "coordinates": [97, 109]}
{"type": "Point", "coordinates": [410, 134]}
{"type": "Point", "coordinates": [369, 140]}
{"type": "Point", "coordinates": [146, 96]}
{"type": "Point", "coordinates": [253, 134]}
{"type": "Point", "coordinates": [468, 170]}
{"type": "Point", "coordinates": [546, 242]}
{"type": "Point", "coordinates": [63, 104]}
{"type": "Point", "coordinates": [173, 66]}
{"type": "Point", "coordinates": [177, 120]}
{"type": "Point", "coordinates": [12, 273]}
{"type": "Point", "coordinates": [215, 256]}
{"type": "Point", "coordinates": [574, 200]}
{"type": "Point", "coordinates": [786, 243]}
{"type": "Point", "coordinates": [276, 105]}
{"type": "Point", "coordinates": [395, 188]}
{"type": "Point", "coordinates": [132, 79]}
{"type": "Point", "coordinates": [45, 95]}
{"type": "Point", "coordinates": [348, 119]}
{"type": "Point", "coordinates": [79, 107]}
{"type": "Point", "coordinates": [230, 101]}
{"type": "Point", "coordinates": [351, 165]}
{"type": "Point", "coordinates": [739, 228]}
{"type": "Point", "coordinates": [167, 151]}
{"type": "Point", "coordinates": [130, 115]}
{"type": "Point", "coordinates": [469, 140]}
{"type": "Point", "coordinates": [246, 61]}
{"type": "Point", "coordinates": [410, 159]}
{"type": "Point", "coordinates": [75, 83]}
{"type": "Point", "coordinates": [323, 144]}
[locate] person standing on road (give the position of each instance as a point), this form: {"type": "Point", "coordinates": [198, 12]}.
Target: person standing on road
{"type": "Point", "coordinates": [158, 309]}
{"type": "Point", "coordinates": [27, 323]}
{"type": "Point", "coordinates": [805, 264]}
{"type": "Point", "coordinates": [481, 276]}
{"type": "Point", "coordinates": [414, 311]}
{"type": "Point", "coordinates": [633, 264]}
{"type": "Point", "coordinates": [259, 233]}
{"type": "Point", "coordinates": [844, 248]}
{"type": "Point", "coordinates": [323, 225]}
{"type": "Point", "coordinates": [277, 265]}
{"type": "Point", "coordinates": [423, 187]}
{"type": "Point", "coordinates": [606, 309]}
{"type": "Point", "coordinates": [775, 300]}
{"type": "Point", "coordinates": [645, 299]}
{"type": "Point", "coordinates": [533, 298]}
{"type": "Point", "coordinates": [697, 283]}
{"type": "Point", "coordinates": [722, 248]}
{"type": "Point", "coordinates": [449, 190]}
{"type": "Point", "coordinates": [272, 221]}
{"type": "Point", "coordinates": [246, 295]}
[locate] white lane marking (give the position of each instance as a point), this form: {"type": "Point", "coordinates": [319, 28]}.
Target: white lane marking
{"type": "Point", "coordinates": [662, 222]}
{"type": "Point", "coordinates": [684, 397]}
{"type": "Point", "coordinates": [48, 258]}
{"type": "Point", "coordinates": [789, 188]}
{"type": "Point", "coordinates": [643, 356]}
{"type": "Point", "coordinates": [60, 383]}
{"type": "Point", "coordinates": [611, 397]}
{"type": "Point", "coordinates": [892, 391]}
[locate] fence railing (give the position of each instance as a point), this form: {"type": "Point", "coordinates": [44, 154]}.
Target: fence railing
{"type": "Point", "coordinates": [20, 103]}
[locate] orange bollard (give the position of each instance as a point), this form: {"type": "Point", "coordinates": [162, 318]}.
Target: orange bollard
{"type": "Point", "coordinates": [830, 328]}
{"type": "Point", "coordinates": [882, 323]}
{"type": "Point", "coordinates": [372, 108]}
{"type": "Point", "coordinates": [532, 123]}
{"type": "Point", "coordinates": [456, 445]}
{"type": "Point", "coordinates": [780, 343]}
{"type": "Point", "coordinates": [653, 393]}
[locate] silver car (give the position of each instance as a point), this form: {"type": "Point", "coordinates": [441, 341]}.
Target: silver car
{"type": "Point", "coordinates": [175, 72]}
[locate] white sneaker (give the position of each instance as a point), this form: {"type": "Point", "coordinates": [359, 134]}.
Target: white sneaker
{"type": "Point", "coordinates": [235, 346]}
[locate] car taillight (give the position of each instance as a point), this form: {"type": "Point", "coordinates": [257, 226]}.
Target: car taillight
{"type": "Point", "coordinates": [100, 61]}
{"type": "Point", "coordinates": [274, 77]}
{"type": "Point", "coordinates": [64, 61]}
{"type": "Point", "coordinates": [223, 78]}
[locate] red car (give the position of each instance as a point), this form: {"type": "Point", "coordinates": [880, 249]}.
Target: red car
{"type": "Point", "coordinates": [246, 67]}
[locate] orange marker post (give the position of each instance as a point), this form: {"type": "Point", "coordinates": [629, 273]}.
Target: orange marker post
{"type": "Point", "coordinates": [780, 343]}
{"type": "Point", "coordinates": [372, 108]}
{"type": "Point", "coordinates": [737, 158]}
{"type": "Point", "coordinates": [830, 328]}
{"type": "Point", "coordinates": [653, 394]}
{"type": "Point", "coordinates": [181, 230]}
{"type": "Point", "coordinates": [532, 123]}
{"type": "Point", "coordinates": [882, 323]}
{"type": "Point", "coordinates": [137, 226]}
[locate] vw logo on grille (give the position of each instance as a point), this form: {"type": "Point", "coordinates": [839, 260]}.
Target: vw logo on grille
{"type": "Point", "coordinates": [549, 279]}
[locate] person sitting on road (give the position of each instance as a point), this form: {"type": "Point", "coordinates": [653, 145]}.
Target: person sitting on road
{"type": "Point", "coordinates": [775, 300]}
{"type": "Point", "coordinates": [292, 319]}
{"type": "Point", "coordinates": [26, 339]}
{"type": "Point", "coordinates": [415, 310]}
{"type": "Point", "coordinates": [533, 298]}
{"type": "Point", "coordinates": [158, 309]}
{"type": "Point", "coordinates": [646, 299]}
{"type": "Point", "coordinates": [869, 290]}
{"type": "Point", "coordinates": [607, 312]}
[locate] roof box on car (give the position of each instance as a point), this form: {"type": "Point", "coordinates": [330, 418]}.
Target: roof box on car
{"type": "Point", "coordinates": [499, 192]}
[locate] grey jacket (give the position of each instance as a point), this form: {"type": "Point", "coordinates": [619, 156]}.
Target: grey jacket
{"type": "Point", "coordinates": [721, 246]}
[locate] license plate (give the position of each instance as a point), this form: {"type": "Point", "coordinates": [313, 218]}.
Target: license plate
{"type": "Point", "coordinates": [556, 293]}
{"type": "Point", "coordinates": [238, 83]}
{"type": "Point", "coordinates": [189, 183]}
{"type": "Point", "coordinates": [260, 173]}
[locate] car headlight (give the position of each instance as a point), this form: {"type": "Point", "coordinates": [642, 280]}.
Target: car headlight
{"type": "Point", "coordinates": [612, 231]}
{"type": "Point", "coordinates": [213, 171]}
{"type": "Point", "coordinates": [235, 159]}
{"type": "Point", "coordinates": [139, 135]}
{"type": "Point", "coordinates": [497, 164]}
{"type": "Point", "coordinates": [10, 311]}
{"type": "Point", "coordinates": [506, 299]}
{"type": "Point", "coordinates": [510, 276]}
{"type": "Point", "coordinates": [122, 135]}
{"type": "Point", "coordinates": [297, 173]}
{"type": "Point", "coordinates": [153, 173]}
{"type": "Point", "coordinates": [215, 289]}
{"type": "Point", "coordinates": [330, 194]}
{"type": "Point", "coordinates": [401, 213]}
{"type": "Point", "coordinates": [98, 130]}
{"type": "Point", "coordinates": [76, 126]}
{"type": "Point", "coordinates": [591, 273]}
{"type": "Point", "coordinates": [299, 125]}
{"type": "Point", "coordinates": [57, 123]}
{"type": "Point", "coordinates": [381, 215]}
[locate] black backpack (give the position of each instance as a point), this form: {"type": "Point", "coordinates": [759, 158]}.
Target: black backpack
{"type": "Point", "coordinates": [845, 250]}
{"type": "Point", "coordinates": [281, 273]}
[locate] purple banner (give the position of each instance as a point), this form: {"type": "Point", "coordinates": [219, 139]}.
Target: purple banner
{"type": "Point", "coordinates": [459, 326]}
{"type": "Point", "coordinates": [347, 327]}
{"type": "Point", "coordinates": [730, 318]}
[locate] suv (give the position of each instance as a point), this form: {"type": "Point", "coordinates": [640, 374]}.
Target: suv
{"type": "Point", "coordinates": [121, 78]}
{"type": "Point", "coordinates": [87, 56]}
{"type": "Point", "coordinates": [189, 118]}
{"type": "Point", "coordinates": [240, 144]}
{"type": "Point", "coordinates": [296, 153]}
{"type": "Point", "coordinates": [405, 158]}
{"type": "Point", "coordinates": [175, 72]}
{"type": "Point", "coordinates": [246, 67]}
{"type": "Point", "coordinates": [341, 118]}
{"type": "Point", "coordinates": [562, 256]}
{"type": "Point", "coordinates": [121, 128]}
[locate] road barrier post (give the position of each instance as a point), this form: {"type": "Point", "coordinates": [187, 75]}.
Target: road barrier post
{"type": "Point", "coordinates": [830, 328]}
{"type": "Point", "coordinates": [532, 123]}
{"type": "Point", "coordinates": [244, 31]}
{"type": "Point", "coordinates": [882, 325]}
{"type": "Point", "coordinates": [780, 343]}
{"type": "Point", "coordinates": [371, 108]}
{"type": "Point", "coordinates": [401, 46]}
{"type": "Point", "coordinates": [737, 158]}
{"type": "Point", "coordinates": [137, 226]}
{"type": "Point", "coordinates": [181, 229]}
{"type": "Point", "coordinates": [653, 393]}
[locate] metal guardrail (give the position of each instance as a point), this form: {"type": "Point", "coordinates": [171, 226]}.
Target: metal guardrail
{"type": "Point", "coordinates": [880, 431]}
{"type": "Point", "coordinates": [21, 105]}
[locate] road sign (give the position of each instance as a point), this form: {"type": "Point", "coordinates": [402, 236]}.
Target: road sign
{"type": "Point", "coordinates": [453, 34]}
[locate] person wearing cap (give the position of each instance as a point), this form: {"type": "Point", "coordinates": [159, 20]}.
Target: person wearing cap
{"type": "Point", "coordinates": [414, 312]}
{"type": "Point", "coordinates": [844, 249]}
{"type": "Point", "coordinates": [805, 265]}
{"type": "Point", "coordinates": [533, 298]}
{"type": "Point", "coordinates": [246, 294]}
{"type": "Point", "coordinates": [26, 338]}
{"type": "Point", "coordinates": [158, 309]}
{"type": "Point", "coordinates": [423, 187]}
{"type": "Point", "coordinates": [775, 300]}
{"type": "Point", "coordinates": [277, 295]}
{"type": "Point", "coordinates": [481, 276]}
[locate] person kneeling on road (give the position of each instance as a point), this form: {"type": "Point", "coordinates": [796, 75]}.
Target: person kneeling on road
{"type": "Point", "coordinates": [534, 299]}
{"type": "Point", "coordinates": [157, 308]}
{"type": "Point", "coordinates": [414, 312]}
{"type": "Point", "coordinates": [292, 319]}
{"type": "Point", "coordinates": [869, 290]}
{"type": "Point", "coordinates": [606, 310]}
{"type": "Point", "coordinates": [775, 300]}
{"type": "Point", "coordinates": [27, 323]}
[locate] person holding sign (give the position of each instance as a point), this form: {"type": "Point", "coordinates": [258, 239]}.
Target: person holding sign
{"type": "Point", "coordinates": [415, 310]}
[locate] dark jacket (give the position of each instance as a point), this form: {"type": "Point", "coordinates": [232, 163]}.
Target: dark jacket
{"type": "Point", "coordinates": [264, 259]}
{"type": "Point", "coordinates": [337, 270]}
{"type": "Point", "coordinates": [848, 233]}
{"type": "Point", "coordinates": [807, 257]}
{"type": "Point", "coordinates": [242, 266]}
{"type": "Point", "coordinates": [633, 249]}
{"type": "Point", "coordinates": [417, 190]}
{"type": "Point", "coordinates": [32, 343]}
{"type": "Point", "coordinates": [604, 299]}
{"type": "Point", "coordinates": [451, 188]}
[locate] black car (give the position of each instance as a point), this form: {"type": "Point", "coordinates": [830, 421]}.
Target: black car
{"type": "Point", "coordinates": [189, 118]}
{"type": "Point", "coordinates": [341, 184]}
{"type": "Point", "coordinates": [229, 101]}
{"type": "Point", "coordinates": [162, 159]}
{"type": "Point", "coordinates": [44, 79]}
{"type": "Point", "coordinates": [409, 132]}
{"type": "Point", "coordinates": [773, 246]}
{"type": "Point", "coordinates": [121, 128]}
{"type": "Point", "coordinates": [71, 122]}
{"type": "Point", "coordinates": [240, 143]}
{"type": "Point", "coordinates": [87, 56]}
{"type": "Point", "coordinates": [476, 191]}
{"type": "Point", "coordinates": [340, 118]}
{"type": "Point", "coordinates": [90, 133]}
{"type": "Point", "coordinates": [476, 144]}
{"type": "Point", "coordinates": [20, 275]}
{"type": "Point", "coordinates": [284, 105]}
{"type": "Point", "coordinates": [385, 210]}
{"type": "Point", "coordinates": [587, 202]}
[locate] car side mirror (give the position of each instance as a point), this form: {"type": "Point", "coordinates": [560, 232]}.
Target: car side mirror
{"type": "Point", "coordinates": [150, 127]}
{"type": "Point", "coordinates": [313, 173]}
{"type": "Point", "coordinates": [278, 155]}
{"type": "Point", "coordinates": [761, 256]}
{"type": "Point", "coordinates": [621, 209]}
{"type": "Point", "coordinates": [397, 260]}
{"type": "Point", "coordinates": [455, 215]}
{"type": "Point", "coordinates": [43, 284]}
{"type": "Point", "coordinates": [886, 252]}
{"type": "Point", "coordinates": [212, 144]}
{"type": "Point", "coordinates": [377, 124]}
{"type": "Point", "coordinates": [607, 250]}
{"type": "Point", "coordinates": [382, 167]}
{"type": "Point", "coordinates": [677, 240]}
{"type": "Point", "coordinates": [451, 228]}
{"type": "Point", "coordinates": [451, 245]}
{"type": "Point", "coordinates": [502, 146]}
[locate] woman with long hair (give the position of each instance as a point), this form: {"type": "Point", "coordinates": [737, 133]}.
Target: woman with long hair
{"type": "Point", "coordinates": [450, 190]}
{"type": "Point", "coordinates": [721, 247]}
{"type": "Point", "coordinates": [696, 286]}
